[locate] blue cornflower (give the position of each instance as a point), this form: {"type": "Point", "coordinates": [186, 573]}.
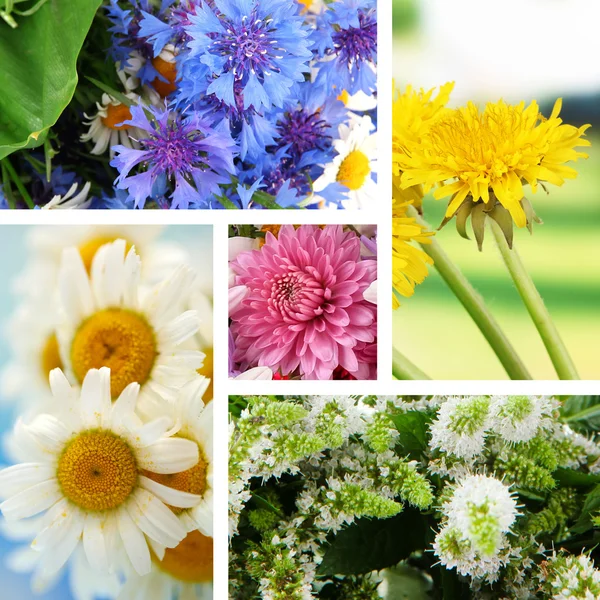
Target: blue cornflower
{"type": "Point", "coordinates": [186, 153]}
{"type": "Point", "coordinates": [347, 39]}
{"type": "Point", "coordinates": [249, 51]}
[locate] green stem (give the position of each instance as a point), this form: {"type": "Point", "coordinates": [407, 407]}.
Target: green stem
{"type": "Point", "coordinates": [17, 181]}
{"type": "Point", "coordinates": [474, 305]}
{"type": "Point", "coordinates": [402, 368]}
{"type": "Point", "coordinates": [565, 368]}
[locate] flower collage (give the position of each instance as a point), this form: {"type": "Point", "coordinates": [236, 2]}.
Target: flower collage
{"type": "Point", "coordinates": [206, 405]}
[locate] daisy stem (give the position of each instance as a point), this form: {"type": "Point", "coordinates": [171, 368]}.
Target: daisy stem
{"type": "Point", "coordinates": [402, 368]}
{"type": "Point", "coordinates": [474, 305]}
{"type": "Point", "coordinates": [565, 368]}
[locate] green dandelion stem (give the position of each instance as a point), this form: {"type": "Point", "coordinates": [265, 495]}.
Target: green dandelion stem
{"type": "Point", "coordinates": [474, 305]}
{"type": "Point", "coordinates": [402, 368]}
{"type": "Point", "coordinates": [565, 368]}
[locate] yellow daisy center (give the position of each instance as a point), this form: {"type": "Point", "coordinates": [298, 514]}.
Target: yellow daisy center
{"type": "Point", "coordinates": [207, 370]}
{"type": "Point", "coordinates": [192, 481]}
{"type": "Point", "coordinates": [354, 170]}
{"type": "Point", "coordinates": [115, 114]}
{"type": "Point", "coordinates": [90, 247]}
{"type": "Point", "coordinates": [50, 357]}
{"type": "Point", "coordinates": [169, 71]}
{"type": "Point", "coordinates": [191, 560]}
{"type": "Point", "coordinates": [119, 339]}
{"type": "Point", "coordinates": [97, 470]}
{"type": "Point", "coordinates": [344, 97]}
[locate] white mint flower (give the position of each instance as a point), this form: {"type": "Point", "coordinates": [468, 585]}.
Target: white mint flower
{"type": "Point", "coordinates": [461, 425]}
{"type": "Point", "coordinates": [108, 320]}
{"type": "Point", "coordinates": [574, 578]}
{"type": "Point", "coordinates": [520, 418]}
{"type": "Point", "coordinates": [483, 509]}
{"type": "Point", "coordinates": [87, 472]}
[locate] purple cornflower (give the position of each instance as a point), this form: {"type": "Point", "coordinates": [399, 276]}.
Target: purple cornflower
{"type": "Point", "coordinates": [349, 44]}
{"type": "Point", "coordinates": [187, 153]}
{"type": "Point", "coordinates": [262, 45]}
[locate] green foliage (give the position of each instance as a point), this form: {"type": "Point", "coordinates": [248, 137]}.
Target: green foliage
{"type": "Point", "coordinates": [582, 412]}
{"type": "Point", "coordinates": [412, 427]}
{"type": "Point", "coordinates": [38, 74]}
{"type": "Point", "coordinates": [371, 545]}
{"type": "Point", "coordinates": [591, 506]}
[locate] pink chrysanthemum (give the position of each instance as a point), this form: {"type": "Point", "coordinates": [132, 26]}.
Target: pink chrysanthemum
{"type": "Point", "coordinates": [304, 307]}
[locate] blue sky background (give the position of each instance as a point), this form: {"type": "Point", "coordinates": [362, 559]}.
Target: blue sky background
{"type": "Point", "coordinates": [13, 256]}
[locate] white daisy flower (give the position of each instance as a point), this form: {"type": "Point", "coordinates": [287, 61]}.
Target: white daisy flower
{"type": "Point", "coordinates": [193, 420]}
{"type": "Point", "coordinates": [70, 200]}
{"type": "Point", "coordinates": [107, 319]}
{"type": "Point", "coordinates": [184, 572]}
{"type": "Point", "coordinates": [519, 418]}
{"type": "Point", "coordinates": [86, 471]}
{"type": "Point", "coordinates": [355, 165]}
{"type": "Point", "coordinates": [359, 102]}
{"type": "Point", "coordinates": [106, 127]}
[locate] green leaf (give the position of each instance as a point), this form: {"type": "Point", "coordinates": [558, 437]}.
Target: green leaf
{"type": "Point", "coordinates": [591, 507]}
{"type": "Point", "coordinates": [572, 478]}
{"type": "Point", "coordinates": [582, 412]}
{"type": "Point", "coordinates": [122, 98]}
{"type": "Point", "coordinates": [406, 583]}
{"type": "Point", "coordinates": [412, 427]}
{"type": "Point", "coordinates": [372, 545]}
{"type": "Point", "coordinates": [38, 74]}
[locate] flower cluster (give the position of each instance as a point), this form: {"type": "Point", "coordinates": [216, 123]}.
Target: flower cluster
{"type": "Point", "coordinates": [302, 302]}
{"type": "Point", "coordinates": [111, 367]}
{"type": "Point", "coordinates": [230, 104]}
{"type": "Point", "coordinates": [334, 495]}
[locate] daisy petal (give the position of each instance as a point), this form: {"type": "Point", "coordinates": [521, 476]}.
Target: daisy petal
{"type": "Point", "coordinates": [171, 455]}
{"type": "Point", "coordinates": [17, 478]}
{"type": "Point", "coordinates": [93, 542]}
{"type": "Point", "coordinates": [31, 501]}
{"type": "Point", "coordinates": [134, 542]}
{"type": "Point", "coordinates": [169, 495]}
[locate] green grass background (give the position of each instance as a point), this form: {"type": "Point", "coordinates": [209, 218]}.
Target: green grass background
{"type": "Point", "coordinates": [563, 256]}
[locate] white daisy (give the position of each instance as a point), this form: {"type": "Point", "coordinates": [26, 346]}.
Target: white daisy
{"type": "Point", "coordinates": [70, 200]}
{"type": "Point", "coordinates": [191, 420]}
{"type": "Point", "coordinates": [106, 128]}
{"type": "Point", "coordinates": [86, 470]}
{"type": "Point", "coordinates": [107, 319]}
{"type": "Point", "coordinates": [359, 102]}
{"type": "Point", "coordinates": [184, 572]}
{"type": "Point", "coordinates": [355, 165]}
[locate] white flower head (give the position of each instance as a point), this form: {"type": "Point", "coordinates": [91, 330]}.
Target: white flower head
{"type": "Point", "coordinates": [461, 425]}
{"type": "Point", "coordinates": [574, 578]}
{"type": "Point", "coordinates": [71, 199]}
{"type": "Point", "coordinates": [520, 418]}
{"type": "Point", "coordinates": [108, 319]}
{"type": "Point", "coordinates": [483, 509]}
{"type": "Point", "coordinates": [87, 472]}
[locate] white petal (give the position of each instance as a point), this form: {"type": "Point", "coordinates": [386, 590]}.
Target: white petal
{"type": "Point", "coordinates": [108, 274]}
{"type": "Point", "coordinates": [31, 501]}
{"type": "Point", "coordinates": [259, 373]}
{"type": "Point", "coordinates": [203, 514]}
{"type": "Point", "coordinates": [155, 519]}
{"type": "Point", "coordinates": [163, 301]}
{"type": "Point", "coordinates": [124, 406]}
{"type": "Point", "coordinates": [75, 293]}
{"type": "Point", "coordinates": [236, 294]}
{"type": "Point", "coordinates": [150, 433]}
{"type": "Point", "coordinates": [61, 388]}
{"type": "Point", "coordinates": [59, 520]}
{"type": "Point", "coordinates": [134, 542]}
{"type": "Point", "coordinates": [49, 433]}
{"type": "Point", "coordinates": [17, 478]}
{"type": "Point", "coordinates": [54, 558]}
{"type": "Point", "coordinates": [132, 274]}
{"type": "Point", "coordinates": [22, 560]}
{"type": "Point", "coordinates": [95, 399]}
{"type": "Point", "coordinates": [169, 495]}
{"type": "Point", "coordinates": [93, 542]}
{"type": "Point", "coordinates": [240, 244]}
{"type": "Point", "coordinates": [171, 455]}
{"type": "Point", "coordinates": [370, 294]}
{"type": "Point", "coordinates": [179, 329]}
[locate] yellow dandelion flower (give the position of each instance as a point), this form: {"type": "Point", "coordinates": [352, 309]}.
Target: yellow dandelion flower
{"type": "Point", "coordinates": [488, 156]}
{"type": "Point", "coordinates": [413, 113]}
{"type": "Point", "coordinates": [409, 264]}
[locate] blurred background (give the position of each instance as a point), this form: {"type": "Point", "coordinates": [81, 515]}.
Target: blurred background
{"type": "Point", "coordinates": [516, 50]}
{"type": "Point", "coordinates": [13, 250]}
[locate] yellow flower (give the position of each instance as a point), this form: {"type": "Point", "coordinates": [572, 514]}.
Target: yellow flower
{"type": "Point", "coordinates": [413, 113]}
{"type": "Point", "coordinates": [488, 156]}
{"type": "Point", "coordinates": [409, 264]}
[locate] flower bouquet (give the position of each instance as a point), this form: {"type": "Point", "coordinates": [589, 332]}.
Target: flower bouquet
{"type": "Point", "coordinates": [188, 104]}
{"type": "Point", "coordinates": [303, 302]}
{"type": "Point", "coordinates": [470, 497]}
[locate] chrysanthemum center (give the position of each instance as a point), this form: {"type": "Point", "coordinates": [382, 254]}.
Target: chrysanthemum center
{"type": "Point", "coordinates": [115, 114]}
{"type": "Point", "coordinates": [119, 339]}
{"type": "Point", "coordinates": [357, 44]}
{"type": "Point", "coordinates": [169, 71]}
{"type": "Point", "coordinates": [191, 560]}
{"type": "Point", "coordinates": [192, 481]}
{"type": "Point", "coordinates": [354, 170]}
{"type": "Point", "coordinates": [50, 357]}
{"type": "Point", "coordinates": [88, 249]}
{"type": "Point", "coordinates": [97, 470]}
{"type": "Point", "coordinates": [303, 131]}
{"type": "Point", "coordinates": [297, 293]}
